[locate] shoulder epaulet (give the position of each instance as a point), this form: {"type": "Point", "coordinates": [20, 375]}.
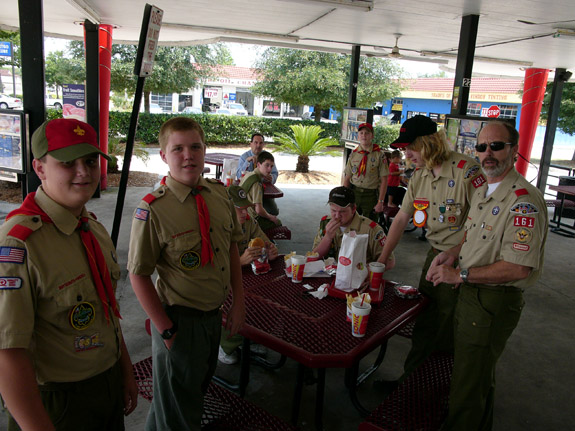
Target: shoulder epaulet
{"type": "Point", "coordinates": [93, 215]}
{"type": "Point", "coordinates": [521, 192]}
{"type": "Point", "coordinates": [461, 164]}
{"type": "Point", "coordinates": [214, 181]}
{"type": "Point", "coordinates": [373, 224]}
{"type": "Point", "coordinates": [25, 228]}
{"type": "Point", "coordinates": [149, 198]}
{"type": "Point", "coordinates": [156, 194]}
{"type": "Point", "coordinates": [324, 218]}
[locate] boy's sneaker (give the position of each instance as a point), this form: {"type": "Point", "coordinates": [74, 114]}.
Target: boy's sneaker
{"type": "Point", "coordinates": [258, 349]}
{"type": "Point", "coordinates": [224, 358]}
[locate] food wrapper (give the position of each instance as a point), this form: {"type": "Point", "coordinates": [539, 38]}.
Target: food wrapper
{"type": "Point", "coordinates": [261, 264]}
{"type": "Point", "coordinates": [287, 259]}
{"type": "Point", "coordinates": [406, 292]}
{"type": "Point", "coordinates": [330, 266]}
{"type": "Point", "coordinates": [311, 257]}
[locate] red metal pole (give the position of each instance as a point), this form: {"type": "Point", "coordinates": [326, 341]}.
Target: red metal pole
{"type": "Point", "coordinates": [105, 42]}
{"type": "Point", "coordinates": [533, 93]}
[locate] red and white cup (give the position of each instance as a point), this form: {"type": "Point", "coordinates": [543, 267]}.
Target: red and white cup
{"type": "Point", "coordinates": [297, 268]}
{"type": "Point", "coordinates": [359, 317]}
{"type": "Point", "coordinates": [375, 275]}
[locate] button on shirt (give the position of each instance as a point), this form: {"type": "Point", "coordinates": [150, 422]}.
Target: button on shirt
{"type": "Point", "coordinates": [448, 197]}
{"type": "Point", "coordinates": [54, 286]}
{"type": "Point", "coordinates": [511, 224]}
{"type": "Point", "coordinates": [166, 236]}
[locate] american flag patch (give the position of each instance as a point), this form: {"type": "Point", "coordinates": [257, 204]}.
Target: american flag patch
{"type": "Point", "coordinates": [12, 254]}
{"type": "Point", "coordinates": [142, 214]}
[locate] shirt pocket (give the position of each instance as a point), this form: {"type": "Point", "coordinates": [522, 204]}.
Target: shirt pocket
{"type": "Point", "coordinates": [184, 251]}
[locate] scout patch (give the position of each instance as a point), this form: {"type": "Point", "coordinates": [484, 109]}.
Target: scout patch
{"type": "Point", "coordinates": [451, 183]}
{"type": "Point", "coordinates": [524, 208]}
{"type": "Point", "coordinates": [380, 236]}
{"type": "Point", "coordinates": [82, 316]}
{"type": "Point", "coordinates": [10, 283]}
{"type": "Point", "coordinates": [141, 214]}
{"type": "Point", "coordinates": [524, 221]}
{"type": "Point", "coordinates": [521, 247]}
{"type": "Point", "coordinates": [87, 342]}
{"type": "Point", "coordinates": [471, 171]}
{"type": "Point", "coordinates": [190, 260]}
{"type": "Point", "coordinates": [478, 181]}
{"type": "Point", "coordinates": [523, 235]}
{"type": "Point", "coordinates": [12, 254]}
{"type": "Point", "coordinates": [452, 219]}
{"type": "Point", "coordinates": [495, 210]}
{"type": "Point", "coordinates": [420, 215]}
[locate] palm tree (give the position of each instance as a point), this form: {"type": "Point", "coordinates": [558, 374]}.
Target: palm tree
{"type": "Point", "coordinates": [304, 143]}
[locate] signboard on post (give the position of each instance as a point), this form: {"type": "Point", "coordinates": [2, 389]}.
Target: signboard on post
{"type": "Point", "coordinates": [148, 41]}
{"type": "Point", "coordinates": [74, 101]}
{"type": "Point", "coordinates": [493, 111]}
{"type": "Point", "coordinates": [5, 49]}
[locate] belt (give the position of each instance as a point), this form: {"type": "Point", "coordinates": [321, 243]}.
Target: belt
{"type": "Point", "coordinates": [189, 311]}
{"type": "Point", "coordinates": [67, 386]}
{"type": "Point", "coordinates": [362, 190]}
{"type": "Point", "coordinates": [497, 288]}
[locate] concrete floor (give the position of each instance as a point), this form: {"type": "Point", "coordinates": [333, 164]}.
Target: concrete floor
{"type": "Point", "coordinates": [535, 374]}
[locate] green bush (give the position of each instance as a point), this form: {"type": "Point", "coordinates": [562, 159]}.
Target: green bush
{"type": "Point", "coordinates": [227, 129]}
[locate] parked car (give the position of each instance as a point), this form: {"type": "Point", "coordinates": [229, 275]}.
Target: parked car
{"type": "Point", "coordinates": [8, 102]}
{"type": "Point", "coordinates": [155, 108]}
{"type": "Point", "coordinates": [237, 109]}
{"type": "Point", "coordinates": [54, 103]}
{"type": "Point", "coordinates": [307, 116]}
{"type": "Point", "coordinates": [223, 111]}
{"type": "Point", "coordinates": [192, 110]}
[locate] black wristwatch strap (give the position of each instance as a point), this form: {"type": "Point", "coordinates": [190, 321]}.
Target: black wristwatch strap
{"type": "Point", "coordinates": [170, 332]}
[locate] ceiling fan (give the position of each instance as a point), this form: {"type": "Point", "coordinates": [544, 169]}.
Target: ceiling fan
{"type": "Point", "coordinates": [395, 53]}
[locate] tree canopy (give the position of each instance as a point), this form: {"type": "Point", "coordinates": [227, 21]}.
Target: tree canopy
{"type": "Point", "coordinates": [60, 70]}
{"type": "Point", "coordinates": [566, 121]}
{"type": "Point", "coordinates": [321, 79]}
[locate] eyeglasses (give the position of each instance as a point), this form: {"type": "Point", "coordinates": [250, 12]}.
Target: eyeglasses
{"type": "Point", "coordinates": [495, 146]}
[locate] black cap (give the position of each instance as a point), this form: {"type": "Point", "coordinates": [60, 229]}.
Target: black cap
{"type": "Point", "coordinates": [416, 126]}
{"type": "Point", "coordinates": [341, 196]}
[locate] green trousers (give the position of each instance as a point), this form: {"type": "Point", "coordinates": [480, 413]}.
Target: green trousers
{"type": "Point", "coordinates": [183, 373]}
{"type": "Point", "coordinates": [229, 344]}
{"type": "Point", "coordinates": [366, 200]}
{"type": "Point", "coordinates": [94, 404]}
{"type": "Point", "coordinates": [433, 330]}
{"type": "Point", "coordinates": [485, 318]}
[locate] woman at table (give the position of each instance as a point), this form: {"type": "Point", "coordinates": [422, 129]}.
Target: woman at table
{"type": "Point", "coordinates": [437, 198]}
{"type": "Point", "coordinates": [228, 345]}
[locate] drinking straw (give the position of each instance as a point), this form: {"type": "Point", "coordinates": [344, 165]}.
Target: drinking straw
{"type": "Point", "coordinates": [362, 299]}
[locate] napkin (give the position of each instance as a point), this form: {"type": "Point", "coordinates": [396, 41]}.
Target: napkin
{"type": "Point", "coordinates": [321, 292]}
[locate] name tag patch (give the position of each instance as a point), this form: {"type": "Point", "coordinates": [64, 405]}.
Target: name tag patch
{"type": "Point", "coordinates": [9, 283]}
{"type": "Point", "coordinates": [520, 247]}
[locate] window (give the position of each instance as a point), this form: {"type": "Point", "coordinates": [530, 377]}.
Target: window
{"type": "Point", "coordinates": [164, 100]}
{"type": "Point", "coordinates": [474, 109]}
{"type": "Point", "coordinates": [508, 111]}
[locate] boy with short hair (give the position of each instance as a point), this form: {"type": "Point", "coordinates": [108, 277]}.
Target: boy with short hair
{"type": "Point", "coordinates": [187, 230]}
{"type": "Point", "coordinates": [395, 192]}
{"type": "Point", "coordinates": [63, 360]}
{"type": "Point", "coordinates": [252, 183]}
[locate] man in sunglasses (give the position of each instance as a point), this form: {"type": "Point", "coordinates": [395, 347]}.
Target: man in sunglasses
{"type": "Point", "coordinates": [501, 255]}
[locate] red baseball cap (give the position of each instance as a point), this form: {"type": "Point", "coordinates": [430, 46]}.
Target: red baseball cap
{"type": "Point", "coordinates": [362, 125]}
{"type": "Point", "coordinates": [66, 139]}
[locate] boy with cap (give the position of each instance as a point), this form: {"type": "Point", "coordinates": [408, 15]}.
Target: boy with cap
{"type": "Point", "coordinates": [344, 219]}
{"type": "Point", "coordinates": [253, 184]}
{"type": "Point", "coordinates": [366, 172]}
{"type": "Point", "coordinates": [250, 228]}
{"type": "Point", "coordinates": [63, 361]}
{"type": "Point", "coordinates": [437, 198]}
{"type": "Point", "coordinates": [187, 230]}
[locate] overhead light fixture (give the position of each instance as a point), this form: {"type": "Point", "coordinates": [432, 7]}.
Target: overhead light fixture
{"type": "Point", "coordinates": [365, 5]}
{"type": "Point", "coordinates": [478, 58]}
{"type": "Point", "coordinates": [221, 31]}
{"type": "Point", "coordinates": [86, 10]}
{"type": "Point", "coordinates": [564, 32]}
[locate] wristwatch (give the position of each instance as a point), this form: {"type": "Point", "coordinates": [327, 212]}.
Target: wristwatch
{"type": "Point", "coordinates": [464, 273]}
{"type": "Point", "coordinates": [170, 332]}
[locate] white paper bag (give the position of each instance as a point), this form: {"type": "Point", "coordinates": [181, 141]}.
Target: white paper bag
{"type": "Point", "coordinates": [351, 264]}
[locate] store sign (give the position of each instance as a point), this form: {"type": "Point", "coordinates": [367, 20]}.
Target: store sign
{"type": "Point", "coordinates": [493, 111]}
{"type": "Point", "coordinates": [211, 93]}
{"type": "Point", "coordinates": [5, 49]}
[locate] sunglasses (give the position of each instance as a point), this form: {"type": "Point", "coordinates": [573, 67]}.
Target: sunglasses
{"type": "Point", "coordinates": [495, 146]}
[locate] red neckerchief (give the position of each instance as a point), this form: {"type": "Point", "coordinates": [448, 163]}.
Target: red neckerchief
{"type": "Point", "coordinates": [363, 164]}
{"type": "Point", "coordinates": [204, 219]}
{"type": "Point", "coordinates": [96, 260]}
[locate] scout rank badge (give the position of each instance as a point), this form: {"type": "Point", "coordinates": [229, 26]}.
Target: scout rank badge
{"type": "Point", "coordinates": [82, 315]}
{"type": "Point", "coordinates": [420, 215]}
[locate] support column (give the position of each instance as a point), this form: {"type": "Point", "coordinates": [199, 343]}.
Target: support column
{"type": "Point", "coordinates": [353, 75]}
{"type": "Point", "coordinates": [464, 67]}
{"type": "Point", "coordinates": [92, 93]}
{"type": "Point", "coordinates": [561, 76]}
{"type": "Point", "coordinates": [533, 94]}
{"type": "Point", "coordinates": [105, 74]}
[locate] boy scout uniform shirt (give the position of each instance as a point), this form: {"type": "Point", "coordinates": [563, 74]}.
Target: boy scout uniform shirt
{"type": "Point", "coordinates": [375, 169]}
{"type": "Point", "coordinates": [511, 224]}
{"type": "Point", "coordinates": [251, 229]}
{"type": "Point", "coordinates": [256, 192]}
{"type": "Point", "coordinates": [361, 225]}
{"type": "Point", "coordinates": [166, 237]}
{"type": "Point", "coordinates": [446, 198]}
{"type": "Point", "coordinates": [48, 301]}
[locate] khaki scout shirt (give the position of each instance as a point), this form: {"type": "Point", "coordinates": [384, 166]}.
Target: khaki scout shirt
{"type": "Point", "coordinates": [511, 225]}
{"type": "Point", "coordinates": [361, 225]}
{"type": "Point", "coordinates": [166, 237]}
{"type": "Point", "coordinates": [48, 302]}
{"type": "Point", "coordinates": [256, 192]}
{"type": "Point", "coordinates": [375, 169]}
{"type": "Point", "coordinates": [251, 229]}
{"type": "Point", "coordinates": [447, 197]}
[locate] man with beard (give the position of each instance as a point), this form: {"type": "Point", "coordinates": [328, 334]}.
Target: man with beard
{"type": "Point", "coordinates": [500, 256]}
